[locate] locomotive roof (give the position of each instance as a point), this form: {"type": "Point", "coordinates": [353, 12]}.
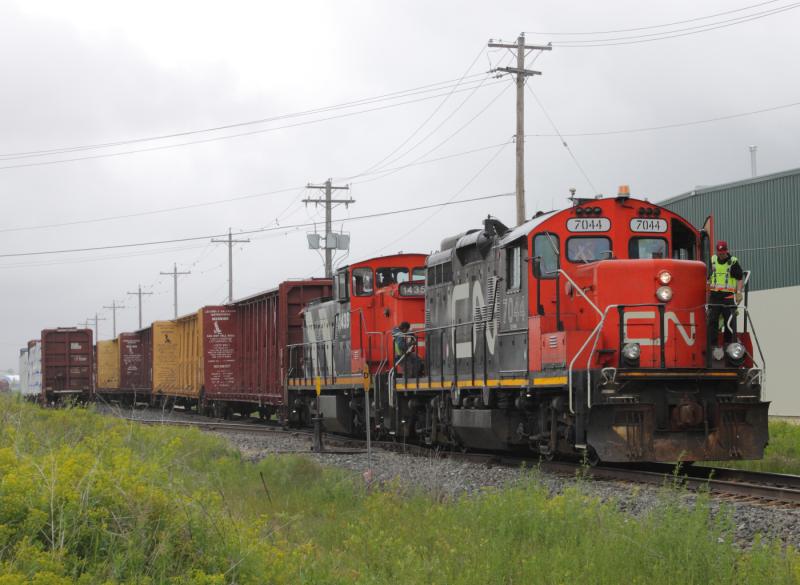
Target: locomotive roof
{"type": "Point", "coordinates": [525, 228]}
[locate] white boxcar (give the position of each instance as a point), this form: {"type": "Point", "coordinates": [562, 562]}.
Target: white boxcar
{"type": "Point", "coordinates": [34, 384]}
{"type": "Point", "coordinates": [23, 370]}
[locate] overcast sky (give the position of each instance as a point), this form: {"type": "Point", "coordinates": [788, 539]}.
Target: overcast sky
{"type": "Point", "coordinates": [83, 73]}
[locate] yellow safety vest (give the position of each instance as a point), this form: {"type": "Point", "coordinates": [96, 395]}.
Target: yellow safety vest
{"type": "Point", "coordinates": [721, 279]}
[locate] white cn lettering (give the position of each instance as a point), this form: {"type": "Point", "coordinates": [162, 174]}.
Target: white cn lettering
{"type": "Point", "coordinates": [651, 316]}
{"type": "Point", "coordinates": [481, 313]}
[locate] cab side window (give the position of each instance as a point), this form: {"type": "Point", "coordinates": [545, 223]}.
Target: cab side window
{"type": "Point", "coordinates": [546, 248]}
{"type": "Point", "coordinates": [362, 282]}
{"type": "Point", "coordinates": [341, 286]}
{"type": "Point", "coordinates": [513, 268]}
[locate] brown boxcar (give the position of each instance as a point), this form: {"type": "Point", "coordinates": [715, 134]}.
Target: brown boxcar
{"type": "Point", "coordinates": [206, 351]}
{"type": "Point", "coordinates": [67, 364]}
{"type": "Point", "coordinates": [265, 323]}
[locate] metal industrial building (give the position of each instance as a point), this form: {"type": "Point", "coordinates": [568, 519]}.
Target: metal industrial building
{"type": "Point", "coordinates": [760, 220]}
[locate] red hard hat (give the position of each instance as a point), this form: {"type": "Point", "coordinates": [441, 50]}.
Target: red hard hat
{"type": "Point", "coordinates": [722, 246]}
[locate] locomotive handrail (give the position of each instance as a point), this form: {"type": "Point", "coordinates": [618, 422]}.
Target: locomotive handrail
{"type": "Point", "coordinates": [596, 335]}
{"type": "Point", "coordinates": [595, 332]}
{"type": "Point", "coordinates": [580, 291]}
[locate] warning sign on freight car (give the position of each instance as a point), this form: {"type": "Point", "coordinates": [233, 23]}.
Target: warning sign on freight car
{"type": "Point", "coordinates": [220, 333]}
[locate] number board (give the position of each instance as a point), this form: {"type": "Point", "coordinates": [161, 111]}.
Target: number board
{"type": "Point", "coordinates": [588, 224]}
{"type": "Point", "coordinates": [653, 226]}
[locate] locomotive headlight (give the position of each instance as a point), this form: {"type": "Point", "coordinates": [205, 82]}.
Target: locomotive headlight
{"type": "Point", "coordinates": [735, 352]}
{"type": "Point", "coordinates": [631, 352]}
{"type": "Point", "coordinates": [664, 277]}
{"type": "Point", "coordinates": [664, 294]}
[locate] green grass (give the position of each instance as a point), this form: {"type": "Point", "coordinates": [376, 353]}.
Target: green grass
{"type": "Point", "coordinates": [90, 499]}
{"type": "Point", "coordinates": [782, 455]}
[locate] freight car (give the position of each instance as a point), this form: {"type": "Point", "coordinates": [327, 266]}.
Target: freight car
{"type": "Point", "coordinates": [196, 354]}
{"type": "Point", "coordinates": [581, 332]}
{"type": "Point", "coordinates": [67, 363]}
{"type": "Point", "coordinates": [263, 325]}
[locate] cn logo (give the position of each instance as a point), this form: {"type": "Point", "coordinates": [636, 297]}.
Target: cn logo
{"type": "Point", "coordinates": [651, 317]}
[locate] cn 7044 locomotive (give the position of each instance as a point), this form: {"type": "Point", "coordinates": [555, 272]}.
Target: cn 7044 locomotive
{"type": "Point", "coordinates": [579, 332]}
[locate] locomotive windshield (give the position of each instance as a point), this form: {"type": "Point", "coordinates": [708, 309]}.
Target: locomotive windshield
{"type": "Point", "coordinates": [362, 282]}
{"type": "Point", "coordinates": [647, 248]}
{"type": "Point", "coordinates": [386, 276]}
{"type": "Point", "coordinates": [588, 249]}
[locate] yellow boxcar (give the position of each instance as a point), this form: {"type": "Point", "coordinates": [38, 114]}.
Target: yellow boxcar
{"type": "Point", "coordinates": [190, 354]}
{"type": "Point", "coordinates": [166, 348]}
{"type": "Point", "coordinates": [108, 365]}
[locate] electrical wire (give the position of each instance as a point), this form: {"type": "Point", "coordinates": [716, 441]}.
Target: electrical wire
{"type": "Point", "coordinates": [230, 199]}
{"type": "Point", "coordinates": [442, 123]}
{"type": "Point", "coordinates": [245, 232]}
{"type": "Point", "coordinates": [384, 97]}
{"type": "Point", "coordinates": [561, 137]}
{"type": "Point", "coordinates": [430, 116]}
{"type": "Point", "coordinates": [674, 125]}
{"type": "Point", "coordinates": [388, 172]}
{"type": "Point", "coordinates": [637, 39]}
{"type": "Point", "coordinates": [650, 27]}
{"type": "Point", "coordinates": [419, 224]}
{"type": "Point", "coordinates": [237, 135]}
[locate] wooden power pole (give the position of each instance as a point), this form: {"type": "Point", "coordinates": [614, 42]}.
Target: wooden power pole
{"type": "Point", "coordinates": [230, 242]}
{"type": "Point", "coordinates": [139, 294]}
{"type": "Point", "coordinates": [522, 50]}
{"type": "Point", "coordinates": [328, 203]}
{"type": "Point", "coordinates": [174, 274]}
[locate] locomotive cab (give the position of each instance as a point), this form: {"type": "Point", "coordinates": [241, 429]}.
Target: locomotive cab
{"type": "Point", "coordinates": [347, 340]}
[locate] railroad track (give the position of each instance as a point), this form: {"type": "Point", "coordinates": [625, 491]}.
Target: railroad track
{"type": "Point", "coordinates": [735, 484]}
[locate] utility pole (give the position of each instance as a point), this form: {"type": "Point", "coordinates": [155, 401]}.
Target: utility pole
{"type": "Point", "coordinates": [114, 306]}
{"type": "Point", "coordinates": [139, 294]}
{"type": "Point", "coordinates": [230, 241]}
{"type": "Point", "coordinates": [95, 319]}
{"type": "Point", "coordinates": [753, 149]}
{"type": "Point", "coordinates": [328, 203]}
{"type": "Point", "coordinates": [521, 73]}
{"type": "Point", "coordinates": [175, 275]}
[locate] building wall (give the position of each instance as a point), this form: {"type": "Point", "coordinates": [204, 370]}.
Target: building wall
{"type": "Point", "coordinates": [777, 321]}
{"type": "Point", "coordinates": [760, 220]}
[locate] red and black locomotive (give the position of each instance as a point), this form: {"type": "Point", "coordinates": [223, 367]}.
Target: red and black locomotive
{"type": "Point", "coordinates": [579, 332]}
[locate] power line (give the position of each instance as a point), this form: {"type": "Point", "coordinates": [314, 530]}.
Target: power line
{"type": "Point", "coordinates": [430, 116]}
{"type": "Point", "coordinates": [419, 224]}
{"type": "Point", "coordinates": [383, 97]}
{"type": "Point", "coordinates": [237, 198]}
{"type": "Point", "coordinates": [636, 39]}
{"type": "Point", "coordinates": [666, 24]}
{"type": "Point", "coordinates": [561, 137]}
{"type": "Point", "coordinates": [675, 125]}
{"type": "Point", "coordinates": [388, 172]}
{"type": "Point", "coordinates": [246, 232]}
{"type": "Point", "coordinates": [230, 136]}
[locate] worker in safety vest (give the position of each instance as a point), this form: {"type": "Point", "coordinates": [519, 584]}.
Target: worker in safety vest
{"type": "Point", "coordinates": [725, 284]}
{"type": "Point", "coordinates": [404, 342]}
